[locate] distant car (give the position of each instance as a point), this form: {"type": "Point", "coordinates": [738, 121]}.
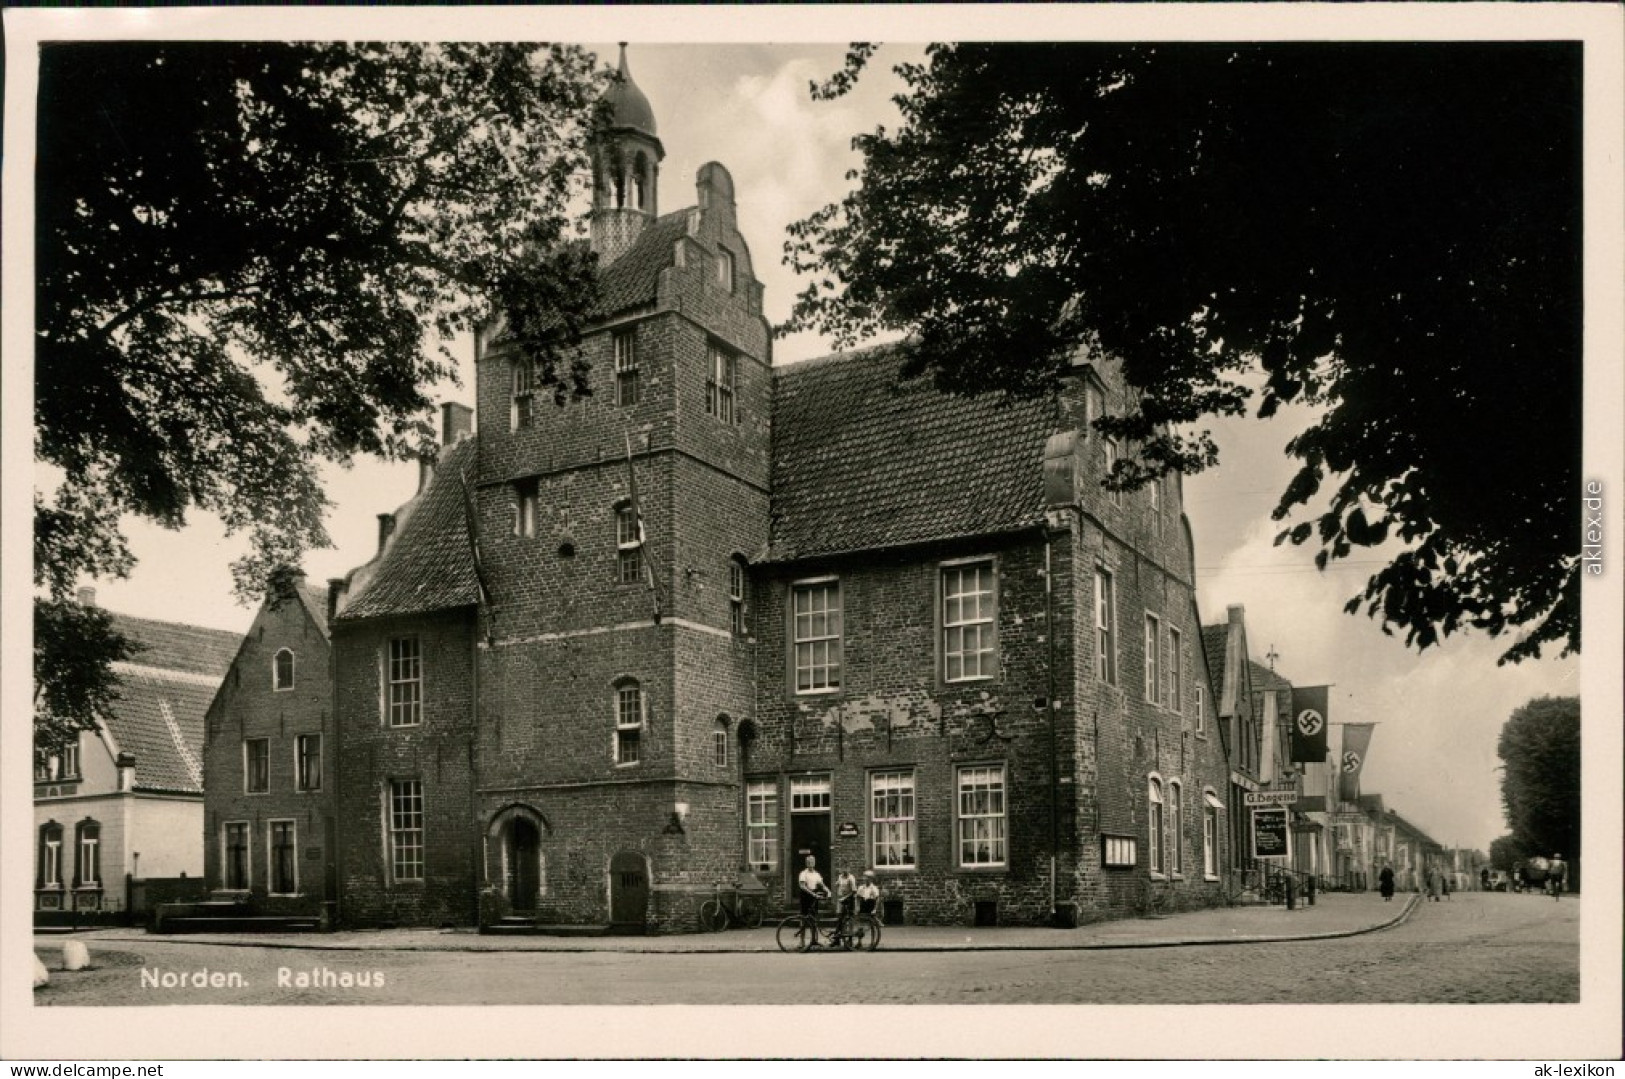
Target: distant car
{"type": "Point", "coordinates": [1500, 881]}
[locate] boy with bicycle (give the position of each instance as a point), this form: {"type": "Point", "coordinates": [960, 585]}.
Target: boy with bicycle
{"type": "Point", "coordinates": [812, 890]}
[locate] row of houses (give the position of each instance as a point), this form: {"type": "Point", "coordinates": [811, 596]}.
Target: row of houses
{"type": "Point", "coordinates": [724, 616]}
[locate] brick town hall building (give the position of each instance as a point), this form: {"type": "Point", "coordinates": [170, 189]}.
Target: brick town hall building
{"type": "Point", "coordinates": [838, 614]}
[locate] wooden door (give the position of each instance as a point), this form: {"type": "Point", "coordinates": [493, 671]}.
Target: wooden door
{"type": "Point", "coordinates": [524, 853]}
{"type": "Point", "coordinates": [628, 889]}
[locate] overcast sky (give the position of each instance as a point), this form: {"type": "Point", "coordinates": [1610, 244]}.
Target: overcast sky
{"type": "Point", "coordinates": [1433, 755]}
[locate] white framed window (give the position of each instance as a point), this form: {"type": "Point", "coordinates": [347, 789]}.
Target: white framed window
{"type": "Point", "coordinates": [628, 545]}
{"type": "Point", "coordinates": [307, 762]}
{"type": "Point", "coordinates": [1153, 665]}
{"type": "Point", "coordinates": [88, 866]}
{"type": "Point", "coordinates": [403, 675]}
{"type": "Point", "coordinates": [1155, 822]}
{"type": "Point", "coordinates": [1105, 628]}
{"type": "Point", "coordinates": [1154, 494]}
{"type": "Point", "coordinates": [1176, 669]}
{"type": "Point", "coordinates": [1211, 807]}
{"type": "Point", "coordinates": [1201, 708]}
{"type": "Point", "coordinates": [721, 380]}
{"type": "Point", "coordinates": [282, 670]}
{"type": "Point", "coordinates": [524, 394]}
{"type": "Point", "coordinates": [406, 829]}
{"type": "Point", "coordinates": [626, 367]}
{"type": "Point", "coordinates": [736, 596]}
{"type": "Point", "coordinates": [810, 794]}
{"type": "Point", "coordinates": [719, 744]}
{"type": "Point", "coordinates": [725, 268]}
{"type": "Point", "coordinates": [256, 765]}
{"type": "Point", "coordinates": [50, 871]}
{"type": "Point", "coordinates": [629, 716]}
{"type": "Point", "coordinates": [1176, 828]}
{"type": "Point", "coordinates": [762, 824]}
{"type": "Point", "coordinates": [891, 819]}
{"type": "Point", "coordinates": [981, 816]}
{"type": "Point", "coordinates": [1119, 851]}
{"type": "Point", "coordinates": [282, 849]}
{"type": "Point", "coordinates": [816, 635]}
{"type": "Point", "coordinates": [237, 863]}
{"type": "Point", "coordinates": [969, 622]}
{"type": "Point", "coordinates": [68, 760]}
{"type": "Point", "coordinates": [527, 504]}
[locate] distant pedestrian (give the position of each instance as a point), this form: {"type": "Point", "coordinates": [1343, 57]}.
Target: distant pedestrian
{"type": "Point", "coordinates": [1484, 879]}
{"type": "Point", "coordinates": [1557, 876]}
{"type": "Point", "coordinates": [1385, 881]}
{"type": "Point", "coordinates": [1433, 883]}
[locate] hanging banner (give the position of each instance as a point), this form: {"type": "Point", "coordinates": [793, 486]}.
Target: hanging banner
{"type": "Point", "coordinates": [1269, 833]}
{"type": "Point", "coordinates": [1356, 740]}
{"type": "Point", "coordinates": [1309, 723]}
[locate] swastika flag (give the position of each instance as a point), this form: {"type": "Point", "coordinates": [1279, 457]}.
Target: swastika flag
{"type": "Point", "coordinates": [1309, 722]}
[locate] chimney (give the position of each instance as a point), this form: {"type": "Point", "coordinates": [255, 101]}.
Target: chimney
{"type": "Point", "coordinates": [386, 528]}
{"type": "Point", "coordinates": [126, 771]}
{"type": "Point", "coordinates": [335, 589]}
{"type": "Point", "coordinates": [1236, 613]}
{"type": "Point", "coordinates": [87, 596]}
{"type": "Point", "coordinates": [456, 423]}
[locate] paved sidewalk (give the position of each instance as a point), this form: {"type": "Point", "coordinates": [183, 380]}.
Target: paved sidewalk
{"type": "Point", "coordinates": [1333, 915]}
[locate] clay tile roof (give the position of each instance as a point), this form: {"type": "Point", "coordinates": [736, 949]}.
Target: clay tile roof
{"type": "Point", "coordinates": [862, 461]}
{"type": "Point", "coordinates": [315, 603]}
{"type": "Point", "coordinates": [429, 563]}
{"type": "Point", "coordinates": [179, 647]}
{"type": "Point", "coordinates": [164, 692]}
{"type": "Point", "coordinates": [632, 280]}
{"type": "Point", "coordinates": [1264, 678]}
{"type": "Point", "coordinates": [1213, 643]}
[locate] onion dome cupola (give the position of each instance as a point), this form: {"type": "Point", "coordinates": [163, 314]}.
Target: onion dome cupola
{"type": "Point", "coordinates": [626, 167]}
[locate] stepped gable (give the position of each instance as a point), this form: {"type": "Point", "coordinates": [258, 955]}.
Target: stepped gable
{"type": "Point", "coordinates": [175, 646]}
{"type": "Point", "coordinates": [863, 461]}
{"type": "Point", "coordinates": [428, 563]}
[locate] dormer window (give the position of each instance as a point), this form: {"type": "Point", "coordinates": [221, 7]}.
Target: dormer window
{"type": "Point", "coordinates": [282, 670]}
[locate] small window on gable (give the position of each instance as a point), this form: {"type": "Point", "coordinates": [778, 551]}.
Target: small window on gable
{"type": "Point", "coordinates": [282, 670]}
{"type": "Point", "coordinates": [725, 268]}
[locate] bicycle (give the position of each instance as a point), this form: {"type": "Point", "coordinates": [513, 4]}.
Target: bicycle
{"type": "Point", "coordinates": [730, 907]}
{"type": "Point", "coordinates": [854, 932]}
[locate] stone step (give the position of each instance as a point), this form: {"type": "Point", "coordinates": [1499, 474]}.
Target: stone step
{"type": "Point", "coordinates": [515, 927]}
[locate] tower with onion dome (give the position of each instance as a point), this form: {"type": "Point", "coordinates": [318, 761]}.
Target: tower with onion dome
{"type": "Point", "coordinates": [626, 169]}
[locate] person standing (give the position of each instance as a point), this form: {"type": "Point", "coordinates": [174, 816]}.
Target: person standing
{"type": "Point", "coordinates": [812, 890]}
{"type": "Point", "coordinates": [869, 894]}
{"type": "Point", "coordinates": [1557, 875]}
{"type": "Point", "coordinates": [846, 899]}
{"type": "Point", "coordinates": [1385, 881]}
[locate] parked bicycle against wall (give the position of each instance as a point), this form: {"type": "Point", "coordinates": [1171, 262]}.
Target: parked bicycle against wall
{"type": "Point", "coordinates": [730, 907]}
{"type": "Point", "coordinates": [850, 933]}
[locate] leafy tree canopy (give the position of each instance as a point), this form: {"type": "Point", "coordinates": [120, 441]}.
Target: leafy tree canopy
{"type": "Point", "coordinates": [1389, 233]}
{"type": "Point", "coordinates": [251, 258]}
{"type": "Point", "coordinates": [1540, 784]}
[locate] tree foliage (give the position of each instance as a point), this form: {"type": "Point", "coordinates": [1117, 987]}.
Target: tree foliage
{"type": "Point", "coordinates": [1540, 784]}
{"type": "Point", "coordinates": [1386, 232]}
{"type": "Point", "coordinates": [78, 646]}
{"type": "Point", "coordinates": [251, 258]}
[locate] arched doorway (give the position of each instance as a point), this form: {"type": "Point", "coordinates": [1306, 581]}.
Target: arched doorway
{"type": "Point", "coordinates": [524, 865]}
{"type": "Point", "coordinates": [517, 861]}
{"type": "Point", "coordinates": [628, 890]}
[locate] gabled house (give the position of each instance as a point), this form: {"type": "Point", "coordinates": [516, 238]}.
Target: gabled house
{"type": "Point", "coordinates": [1225, 645]}
{"type": "Point", "coordinates": [124, 804]}
{"type": "Point", "coordinates": [268, 758]}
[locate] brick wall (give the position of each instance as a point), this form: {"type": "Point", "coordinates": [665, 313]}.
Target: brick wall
{"type": "Point", "coordinates": [436, 752]}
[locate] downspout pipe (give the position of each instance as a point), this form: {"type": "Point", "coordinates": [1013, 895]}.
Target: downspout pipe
{"type": "Point", "coordinates": [1049, 705]}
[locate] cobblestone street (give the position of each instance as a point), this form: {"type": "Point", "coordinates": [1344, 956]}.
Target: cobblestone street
{"type": "Point", "coordinates": [1477, 948]}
